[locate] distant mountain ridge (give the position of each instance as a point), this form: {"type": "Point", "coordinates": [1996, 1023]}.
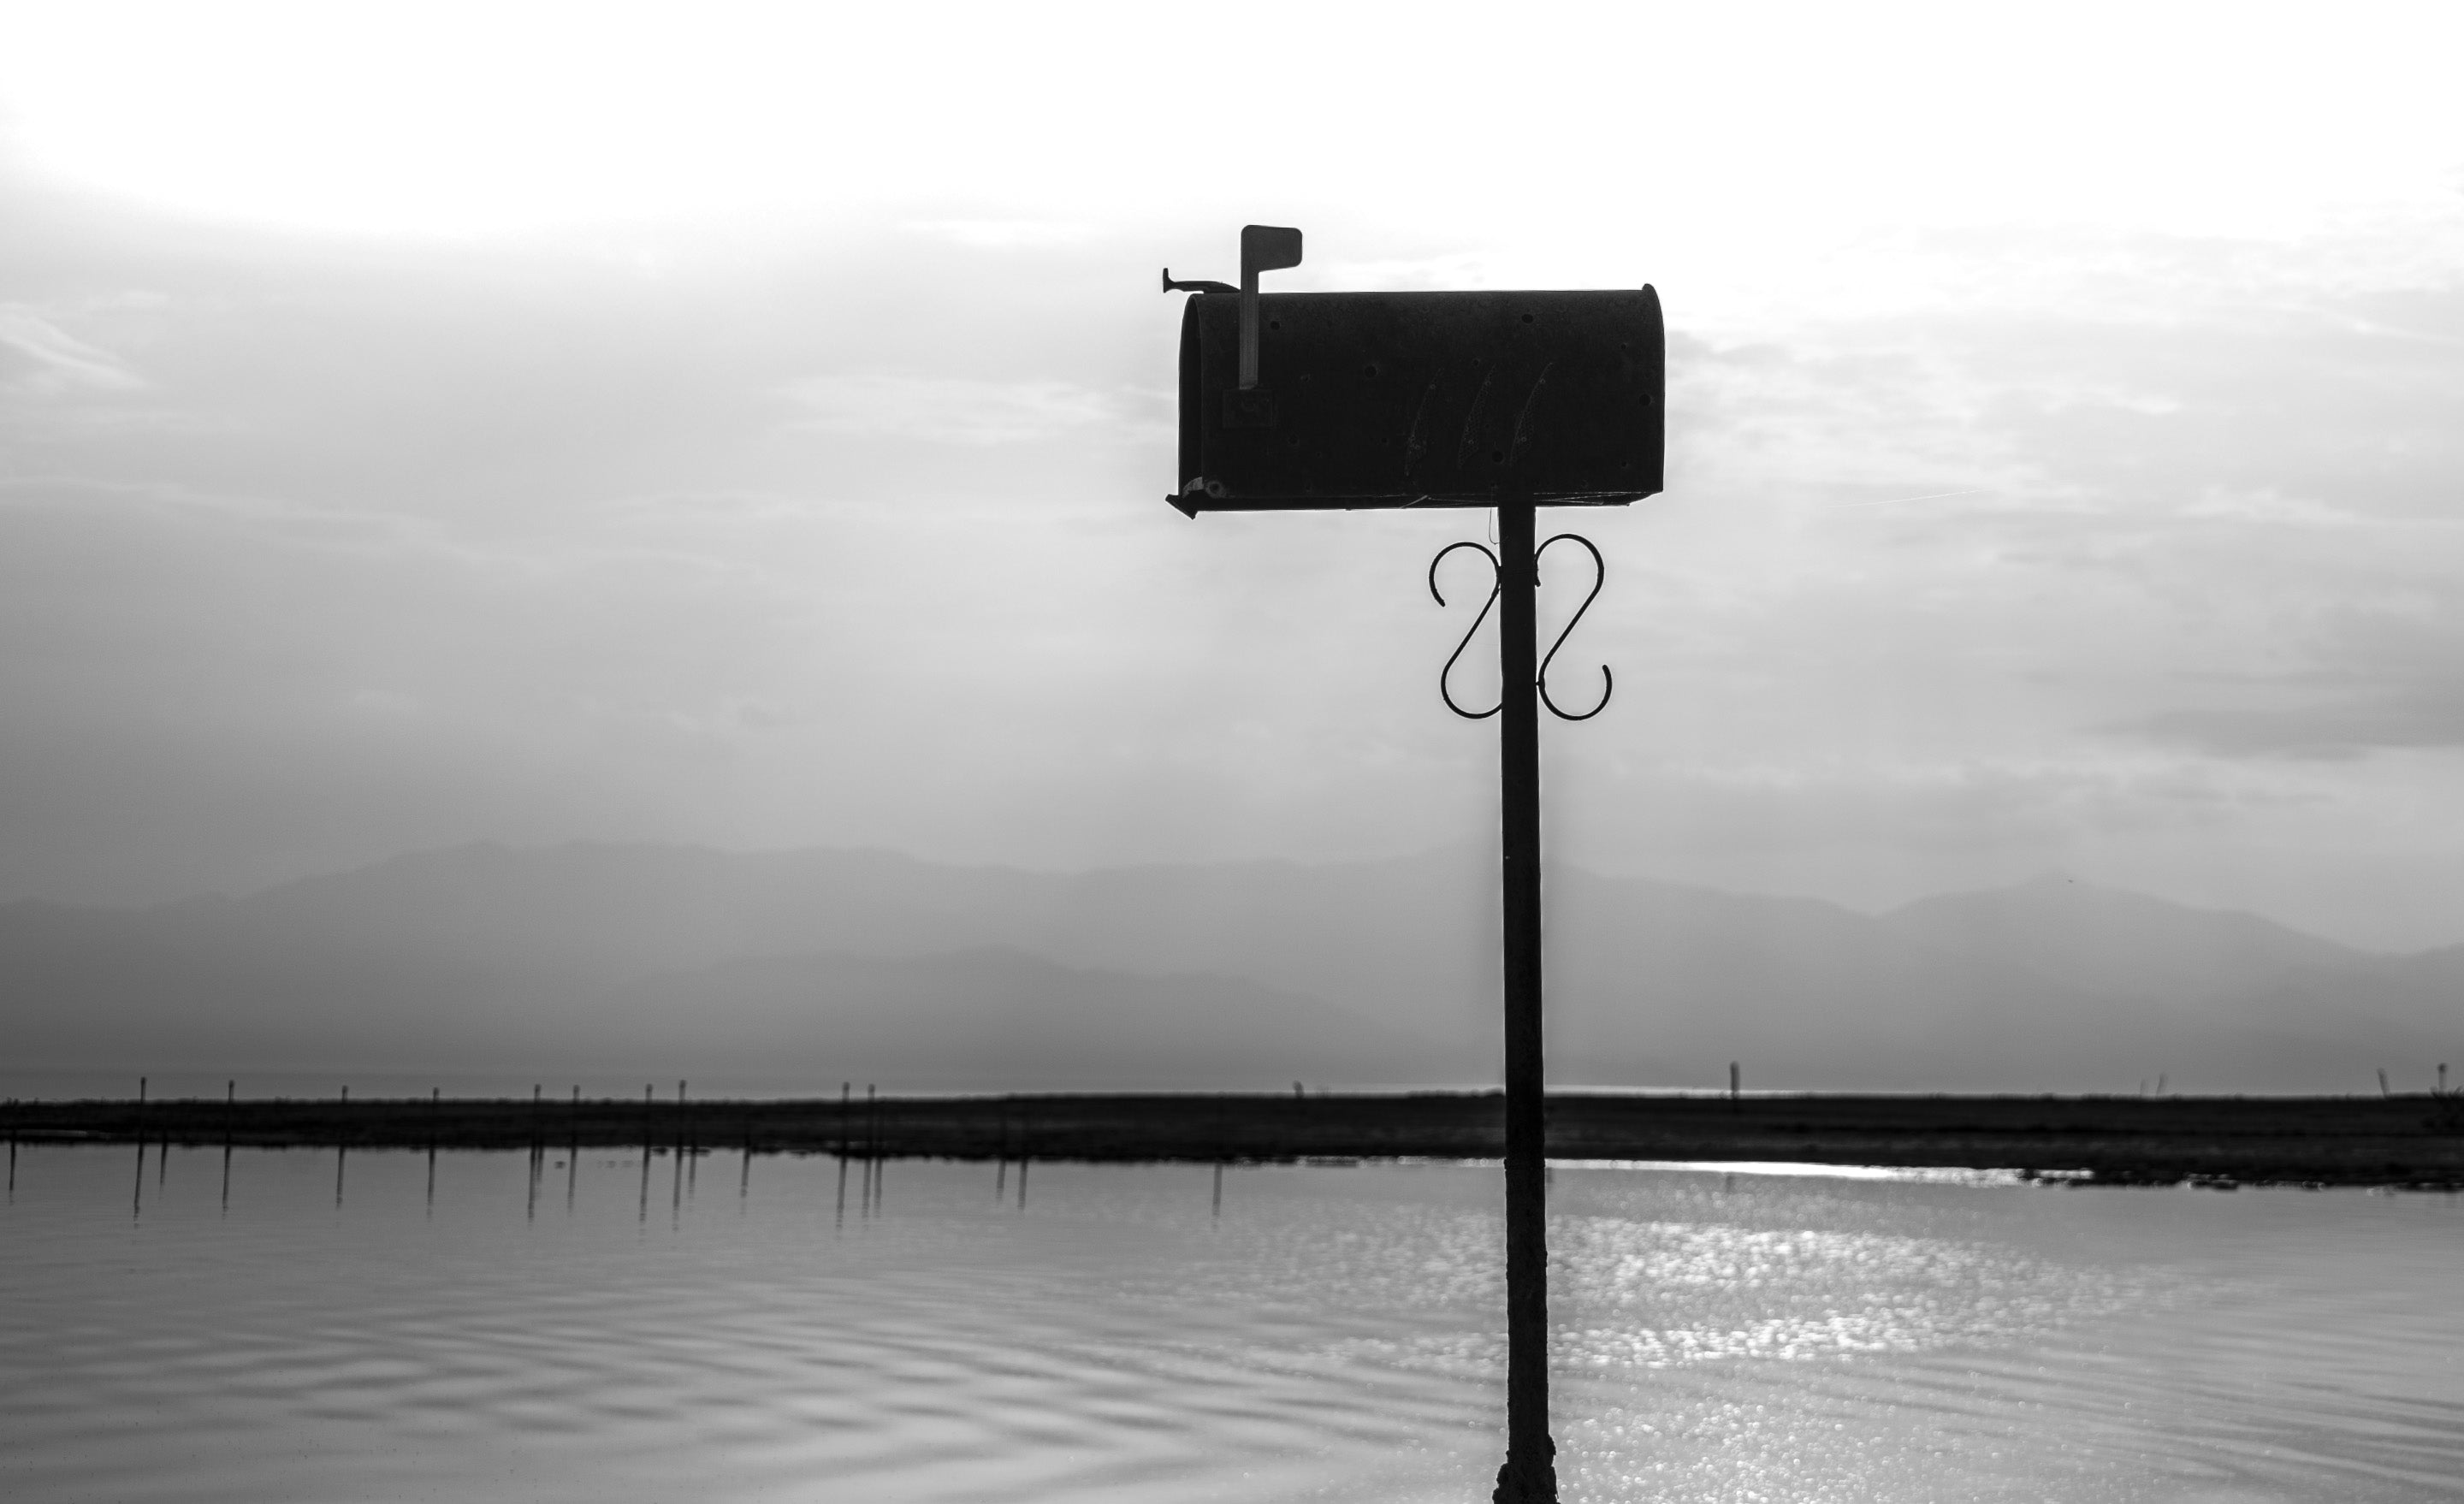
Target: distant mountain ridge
{"type": "Point", "coordinates": [930, 975]}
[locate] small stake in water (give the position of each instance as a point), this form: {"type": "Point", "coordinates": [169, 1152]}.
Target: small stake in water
{"type": "Point", "coordinates": [2383, 1083]}
{"type": "Point", "coordinates": [539, 1155]}
{"type": "Point", "coordinates": [688, 1142]}
{"type": "Point", "coordinates": [1733, 1081]}
{"type": "Point", "coordinates": [644, 1214]}
{"type": "Point", "coordinates": [1026, 1150]}
{"type": "Point", "coordinates": [871, 1143]}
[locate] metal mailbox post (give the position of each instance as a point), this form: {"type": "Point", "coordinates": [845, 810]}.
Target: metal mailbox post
{"type": "Point", "coordinates": [1515, 401]}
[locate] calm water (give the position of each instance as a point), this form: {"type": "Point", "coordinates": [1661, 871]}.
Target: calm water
{"type": "Point", "coordinates": [600, 1333]}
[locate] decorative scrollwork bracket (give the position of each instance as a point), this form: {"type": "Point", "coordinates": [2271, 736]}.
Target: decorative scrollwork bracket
{"type": "Point", "coordinates": [1445, 675]}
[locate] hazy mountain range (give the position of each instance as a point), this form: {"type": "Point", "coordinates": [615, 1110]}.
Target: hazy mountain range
{"type": "Point", "coordinates": [827, 965]}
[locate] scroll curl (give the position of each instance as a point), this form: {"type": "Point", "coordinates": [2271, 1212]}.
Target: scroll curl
{"type": "Point", "coordinates": [1444, 675]}
{"type": "Point", "coordinates": [1599, 577]}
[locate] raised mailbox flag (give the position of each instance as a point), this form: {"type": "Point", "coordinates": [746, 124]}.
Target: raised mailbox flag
{"type": "Point", "coordinates": [1416, 399]}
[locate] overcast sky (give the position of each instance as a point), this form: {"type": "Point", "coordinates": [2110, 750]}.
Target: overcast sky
{"type": "Point", "coordinates": [749, 426]}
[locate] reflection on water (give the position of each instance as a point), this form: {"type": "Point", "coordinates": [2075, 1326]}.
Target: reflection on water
{"type": "Point", "coordinates": [309, 1325]}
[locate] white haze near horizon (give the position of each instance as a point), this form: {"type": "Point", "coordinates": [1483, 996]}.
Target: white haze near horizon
{"type": "Point", "coordinates": [747, 427]}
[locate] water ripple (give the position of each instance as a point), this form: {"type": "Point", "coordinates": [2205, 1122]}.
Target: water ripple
{"type": "Point", "coordinates": [1333, 1335]}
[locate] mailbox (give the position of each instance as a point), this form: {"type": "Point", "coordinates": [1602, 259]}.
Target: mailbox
{"type": "Point", "coordinates": [1418, 399]}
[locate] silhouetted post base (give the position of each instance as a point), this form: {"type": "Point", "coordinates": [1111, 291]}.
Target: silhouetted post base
{"type": "Point", "coordinates": [1522, 1481]}
{"type": "Point", "coordinates": [1529, 1476]}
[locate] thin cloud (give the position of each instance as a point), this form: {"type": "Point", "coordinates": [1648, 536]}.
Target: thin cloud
{"type": "Point", "coordinates": [948, 409]}
{"type": "Point", "coordinates": [49, 360]}
{"type": "Point", "coordinates": [2329, 731]}
{"type": "Point", "coordinates": [1002, 234]}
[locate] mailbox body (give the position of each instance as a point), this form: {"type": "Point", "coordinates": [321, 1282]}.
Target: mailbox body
{"type": "Point", "coordinates": [1422, 399]}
